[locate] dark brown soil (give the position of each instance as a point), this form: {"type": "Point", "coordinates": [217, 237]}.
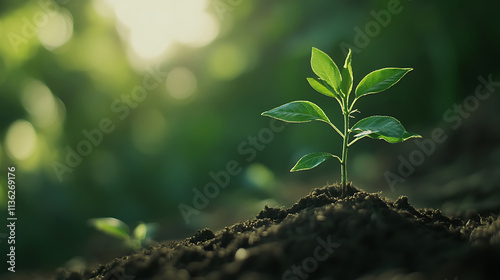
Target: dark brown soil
{"type": "Point", "coordinates": [323, 236]}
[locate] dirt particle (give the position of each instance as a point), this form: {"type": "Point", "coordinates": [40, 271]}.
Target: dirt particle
{"type": "Point", "coordinates": [202, 235]}
{"type": "Point", "coordinates": [241, 254]}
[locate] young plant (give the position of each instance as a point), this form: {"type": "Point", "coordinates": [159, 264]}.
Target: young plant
{"type": "Point", "coordinates": [120, 230]}
{"type": "Point", "coordinates": [337, 84]}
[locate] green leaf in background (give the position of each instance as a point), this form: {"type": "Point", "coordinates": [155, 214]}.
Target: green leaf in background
{"type": "Point", "coordinates": [298, 112]}
{"type": "Point", "coordinates": [322, 88]}
{"type": "Point", "coordinates": [312, 160]}
{"type": "Point", "coordinates": [140, 232]}
{"type": "Point", "coordinates": [111, 226]}
{"type": "Point", "coordinates": [323, 66]}
{"type": "Point", "coordinates": [382, 127]}
{"type": "Point", "coordinates": [380, 80]}
{"type": "Point", "coordinates": [346, 85]}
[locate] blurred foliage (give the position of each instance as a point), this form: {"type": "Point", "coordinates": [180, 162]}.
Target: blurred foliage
{"type": "Point", "coordinates": [133, 239]}
{"type": "Point", "coordinates": [219, 64]}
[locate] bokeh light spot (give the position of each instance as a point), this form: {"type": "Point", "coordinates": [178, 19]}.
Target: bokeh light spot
{"type": "Point", "coordinates": [1, 153]}
{"type": "Point", "coordinates": [21, 140]}
{"type": "Point", "coordinates": [181, 83]}
{"type": "Point", "coordinates": [227, 62]}
{"type": "Point", "coordinates": [57, 31]}
{"type": "Point", "coordinates": [38, 100]}
{"type": "Point", "coordinates": [259, 176]}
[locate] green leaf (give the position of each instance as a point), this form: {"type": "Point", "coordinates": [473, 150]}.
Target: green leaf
{"type": "Point", "coordinates": [312, 160]}
{"type": "Point", "coordinates": [298, 112]}
{"type": "Point", "coordinates": [111, 226]}
{"type": "Point", "coordinates": [322, 88]}
{"type": "Point", "coordinates": [346, 85]}
{"type": "Point", "coordinates": [382, 127]}
{"type": "Point", "coordinates": [140, 232]}
{"type": "Point", "coordinates": [380, 80]}
{"type": "Point", "coordinates": [323, 66]}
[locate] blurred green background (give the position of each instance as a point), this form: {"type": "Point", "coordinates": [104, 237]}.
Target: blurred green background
{"type": "Point", "coordinates": [180, 85]}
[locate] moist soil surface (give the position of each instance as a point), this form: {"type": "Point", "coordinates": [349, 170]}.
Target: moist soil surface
{"type": "Point", "coordinates": [324, 236]}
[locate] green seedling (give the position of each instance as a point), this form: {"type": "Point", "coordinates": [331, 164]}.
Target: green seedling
{"type": "Point", "coordinates": [120, 230]}
{"type": "Point", "coordinates": [337, 84]}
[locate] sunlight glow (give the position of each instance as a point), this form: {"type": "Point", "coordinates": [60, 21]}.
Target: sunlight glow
{"type": "Point", "coordinates": [195, 34]}
{"type": "Point", "coordinates": [155, 25]}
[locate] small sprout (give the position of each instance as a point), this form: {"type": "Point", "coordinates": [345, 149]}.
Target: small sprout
{"type": "Point", "coordinates": [337, 84]}
{"type": "Point", "coordinates": [120, 230]}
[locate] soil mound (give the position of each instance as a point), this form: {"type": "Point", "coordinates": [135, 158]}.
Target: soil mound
{"type": "Point", "coordinates": [324, 236]}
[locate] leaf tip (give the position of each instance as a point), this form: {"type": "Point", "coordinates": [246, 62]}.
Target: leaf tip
{"type": "Point", "coordinates": [408, 70]}
{"type": "Point", "coordinates": [320, 52]}
{"type": "Point", "coordinates": [349, 56]}
{"type": "Point", "coordinates": [295, 168]}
